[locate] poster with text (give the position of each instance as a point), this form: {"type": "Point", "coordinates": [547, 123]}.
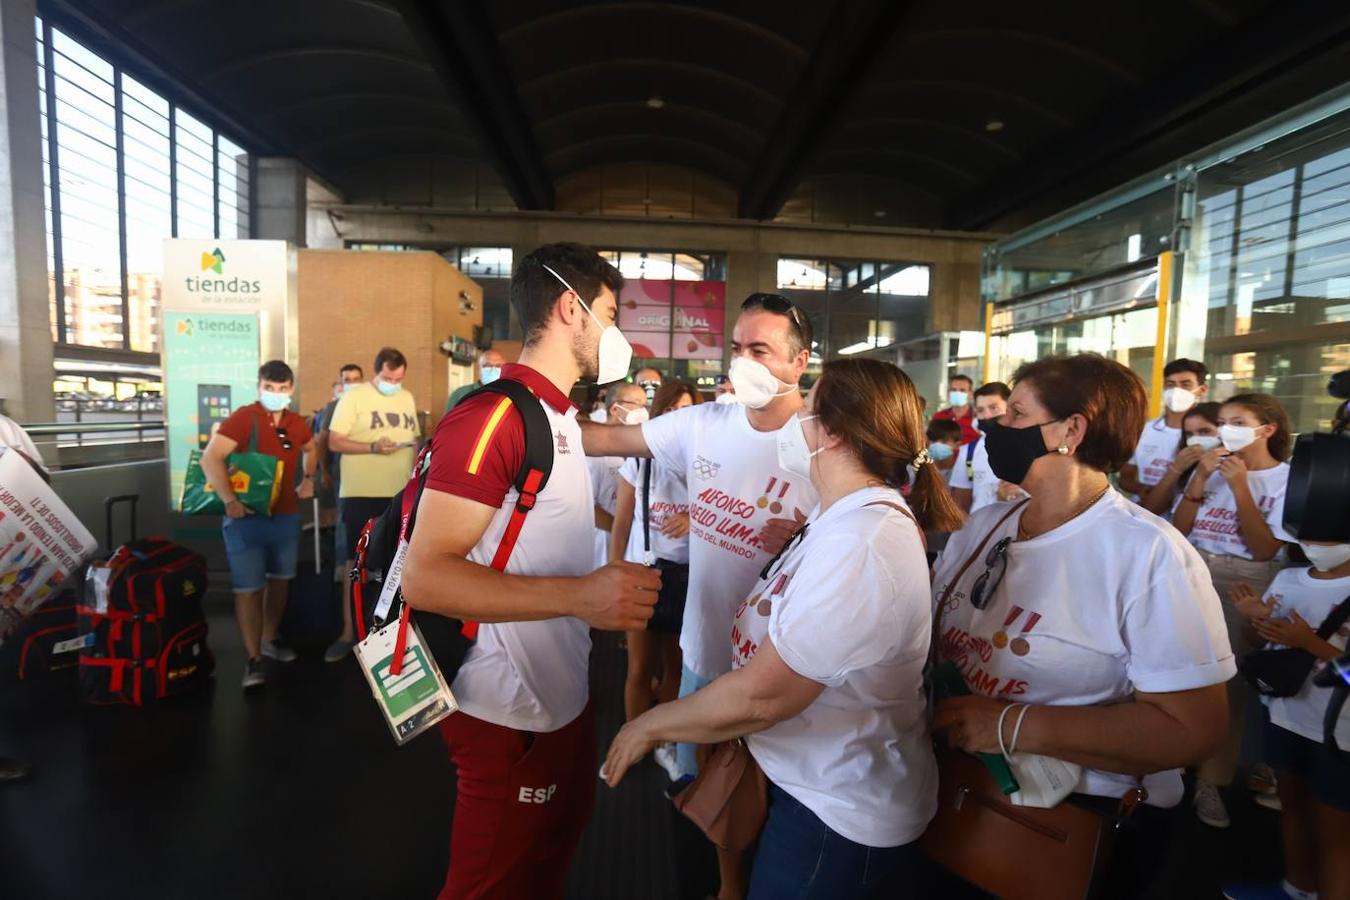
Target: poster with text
{"type": "Point", "coordinates": [666, 319]}
{"type": "Point", "coordinates": [210, 369]}
{"type": "Point", "coordinates": [41, 541]}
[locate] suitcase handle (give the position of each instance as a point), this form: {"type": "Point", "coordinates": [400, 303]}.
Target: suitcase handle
{"type": "Point", "coordinates": [109, 503]}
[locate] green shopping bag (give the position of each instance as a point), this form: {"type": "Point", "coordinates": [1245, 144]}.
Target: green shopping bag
{"type": "Point", "coordinates": [255, 479]}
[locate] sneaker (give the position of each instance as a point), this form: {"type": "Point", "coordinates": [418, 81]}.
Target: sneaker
{"type": "Point", "coordinates": [1269, 801]}
{"type": "Point", "coordinates": [13, 769]}
{"type": "Point", "coordinates": [253, 673]}
{"type": "Point", "coordinates": [665, 758]}
{"type": "Point", "coordinates": [1262, 781]}
{"type": "Point", "coordinates": [278, 651]}
{"type": "Point", "coordinates": [1209, 806]}
{"type": "Point", "coordinates": [1270, 891]}
{"type": "Point", "coordinates": [337, 650]}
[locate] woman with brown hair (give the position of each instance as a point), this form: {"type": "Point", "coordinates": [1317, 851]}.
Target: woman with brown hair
{"type": "Point", "coordinates": [651, 527]}
{"type": "Point", "coordinates": [829, 649]}
{"type": "Point", "coordinates": [1232, 511]}
{"type": "Point", "coordinates": [1077, 619]}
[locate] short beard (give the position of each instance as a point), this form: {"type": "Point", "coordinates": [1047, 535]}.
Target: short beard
{"type": "Point", "coordinates": [586, 352]}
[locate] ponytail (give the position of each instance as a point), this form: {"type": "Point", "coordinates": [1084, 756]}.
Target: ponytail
{"type": "Point", "coordinates": [932, 502]}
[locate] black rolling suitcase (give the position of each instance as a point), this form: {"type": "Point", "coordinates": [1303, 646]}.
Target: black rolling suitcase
{"type": "Point", "coordinates": [313, 615]}
{"type": "Point", "coordinates": [142, 623]}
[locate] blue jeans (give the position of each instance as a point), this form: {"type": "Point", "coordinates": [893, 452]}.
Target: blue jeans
{"type": "Point", "coordinates": [802, 858]}
{"type": "Point", "coordinates": [261, 547]}
{"type": "Point", "coordinates": [685, 758]}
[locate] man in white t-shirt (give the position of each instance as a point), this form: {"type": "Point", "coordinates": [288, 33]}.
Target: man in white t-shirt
{"type": "Point", "coordinates": [974, 485]}
{"type": "Point", "coordinates": [1183, 387]}
{"type": "Point", "coordinates": [742, 506]}
{"type": "Point", "coordinates": [523, 740]}
{"type": "Point", "coordinates": [622, 404]}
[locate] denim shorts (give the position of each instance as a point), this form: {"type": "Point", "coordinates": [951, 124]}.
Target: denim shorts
{"type": "Point", "coordinates": [261, 547]}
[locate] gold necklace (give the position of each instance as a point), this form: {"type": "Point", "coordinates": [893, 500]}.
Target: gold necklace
{"type": "Point", "coordinates": [1024, 535]}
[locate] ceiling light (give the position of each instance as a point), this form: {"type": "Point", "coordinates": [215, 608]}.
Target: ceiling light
{"type": "Point", "coordinates": [655, 102]}
{"type": "Point", "coordinates": [879, 213]}
{"type": "Point", "coordinates": [993, 125]}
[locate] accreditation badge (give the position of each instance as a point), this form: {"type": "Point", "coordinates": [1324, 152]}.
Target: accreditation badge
{"type": "Point", "coordinates": [417, 697]}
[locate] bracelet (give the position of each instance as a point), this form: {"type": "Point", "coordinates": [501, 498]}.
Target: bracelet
{"type": "Point", "coordinates": [1186, 496]}
{"type": "Point", "coordinates": [1017, 727]}
{"type": "Point", "coordinates": [1007, 753]}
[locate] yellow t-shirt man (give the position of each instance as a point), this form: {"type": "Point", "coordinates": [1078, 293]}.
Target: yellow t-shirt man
{"type": "Point", "coordinates": [365, 415]}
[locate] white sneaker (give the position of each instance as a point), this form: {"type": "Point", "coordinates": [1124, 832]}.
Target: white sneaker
{"type": "Point", "coordinates": [665, 758]}
{"type": "Point", "coordinates": [1269, 801]}
{"type": "Point", "coordinates": [278, 651]}
{"type": "Point", "coordinates": [1209, 806]}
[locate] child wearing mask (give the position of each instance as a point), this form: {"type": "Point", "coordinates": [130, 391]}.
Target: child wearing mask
{"type": "Point", "coordinates": [1199, 435]}
{"type": "Point", "coordinates": [944, 439]}
{"type": "Point", "coordinates": [1231, 511]}
{"type": "Point", "coordinates": [1314, 781]}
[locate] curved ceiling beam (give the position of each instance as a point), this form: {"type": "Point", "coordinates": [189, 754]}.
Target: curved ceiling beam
{"type": "Point", "coordinates": [409, 155]}
{"type": "Point", "coordinates": [970, 87]}
{"type": "Point", "coordinates": [552, 78]}
{"type": "Point", "coordinates": [1040, 41]}
{"type": "Point", "coordinates": [749, 135]}
{"type": "Point", "coordinates": [970, 134]}
{"type": "Point", "coordinates": [853, 38]}
{"type": "Point", "coordinates": [599, 142]}
{"type": "Point", "coordinates": [710, 16]}
{"type": "Point", "coordinates": [467, 55]}
{"type": "Point", "coordinates": [286, 54]}
{"type": "Point", "coordinates": [690, 154]}
{"type": "Point", "coordinates": [360, 96]}
{"type": "Point", "coordinates": [908, 155]}
{"type": "Point", "coordinates": [380, 134]}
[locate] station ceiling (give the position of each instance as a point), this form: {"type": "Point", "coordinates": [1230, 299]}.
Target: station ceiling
{"type": "Point", "coordinates": [968, 115]}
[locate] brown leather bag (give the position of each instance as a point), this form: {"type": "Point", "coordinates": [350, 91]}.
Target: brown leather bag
{"type": "Point", "coordinates": [1013, 852]}
{"type": "Point", "coordinates": [729, 799]}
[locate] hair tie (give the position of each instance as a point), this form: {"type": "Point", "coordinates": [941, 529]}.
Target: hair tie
{"type": "Point", "coordinates": [922, 459]}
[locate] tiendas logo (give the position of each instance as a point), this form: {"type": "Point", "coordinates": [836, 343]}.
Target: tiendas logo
{"type": "Point", "coordinates": [215, 262]}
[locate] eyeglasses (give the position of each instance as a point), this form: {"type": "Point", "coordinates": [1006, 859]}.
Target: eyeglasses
{"type": "Point", "coordinates": [791, 542]}
{"type": "Point", "coordinates": [777, 303]}
{"type": "Point", "coordinates": [995, 565]}
{"type": "Point", "coordinates": [285, 441]}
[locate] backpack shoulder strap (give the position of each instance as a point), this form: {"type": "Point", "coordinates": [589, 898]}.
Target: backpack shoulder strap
{"type": "Point", "coordinates": [538, 431]}
{"type": "Point", "coordinates": [646, 466]}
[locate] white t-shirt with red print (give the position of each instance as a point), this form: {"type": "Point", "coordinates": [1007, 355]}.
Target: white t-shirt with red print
{"type": "Point", "coordinates": [1157, 447]}
{"type": "Point", "coordinates": [735, 487]}
{"type": "Point", "coordinates": [848, 606]}
{"type": "Point", "coordinates": [1216, 528]}
{"type": "Point", "coordinates": [669, 497]}
{"type": "Point", "coordinates": [1112, 602]}
{"type": "Point", "coordinates": [1295, 590]}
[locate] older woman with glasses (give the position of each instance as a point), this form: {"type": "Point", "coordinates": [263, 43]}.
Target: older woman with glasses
{"type": "Point", "coordinates": [1093, 618]}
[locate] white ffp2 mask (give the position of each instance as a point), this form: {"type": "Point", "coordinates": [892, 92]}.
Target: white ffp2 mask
{"type": "Point", "coordinates": [1236, 437]}
{"type": "Point", "coordinates": [793, 454]}
{"type": "Point", "coordinates": [755, 385]}
{"type": "Point", "coordinates": [1323, 558]}
{"type": "Point", "coordinates": [615, 352]}
{"type": "Point", "coordinates": [1178, 400]}
{"type": "Point", "coordinates": [1207, 442]}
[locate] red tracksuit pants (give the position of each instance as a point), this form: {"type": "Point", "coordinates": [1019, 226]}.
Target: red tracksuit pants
{"type": "Point", "coordinates": [523, 801]}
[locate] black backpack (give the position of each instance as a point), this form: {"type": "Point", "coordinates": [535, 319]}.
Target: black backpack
{"type": "Point", "coordinates": [448, 639]}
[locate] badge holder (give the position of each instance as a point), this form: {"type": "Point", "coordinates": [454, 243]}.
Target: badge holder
{"type": "Point", "coordinates": [404, 679]}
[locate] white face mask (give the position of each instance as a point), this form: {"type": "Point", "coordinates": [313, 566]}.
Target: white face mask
{"type": "Point", "coordinates": [958, 398]}
{"type": "Point", "coordinates": [793, 454]}
{"type": "Point", "coordinates": [633, 416]}
{"type": "Point", "coordinates": [1236, 437]}
{"type": "Point", "coordinates": [726, 399]}
{"type": "Point", "coordinates": [1205, 441]}
{"type": "Point", "coordinates": [489, 374]}
{"type": "Point", "coordinates": [615, 352]}
{"type": "Point", "coordinates": [755, 385]}
{"type": "Point", "coordinates": [1324, 558]}
{"type": "Point", "coordinates": [1178, 400]}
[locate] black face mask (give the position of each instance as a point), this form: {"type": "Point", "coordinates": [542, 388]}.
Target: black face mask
{"type": "Point", "coordinates": [1013, 450]}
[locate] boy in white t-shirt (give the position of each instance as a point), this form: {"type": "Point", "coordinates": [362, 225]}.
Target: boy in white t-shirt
{"type": "Point", "coordinates": [1184, 385]}
{"type": "Point", "coordinates": [974, 485]}
{"type": "Point", "coordinates": [1314, 781]}
{"type": "Point", "coordinates": [625, 404]}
